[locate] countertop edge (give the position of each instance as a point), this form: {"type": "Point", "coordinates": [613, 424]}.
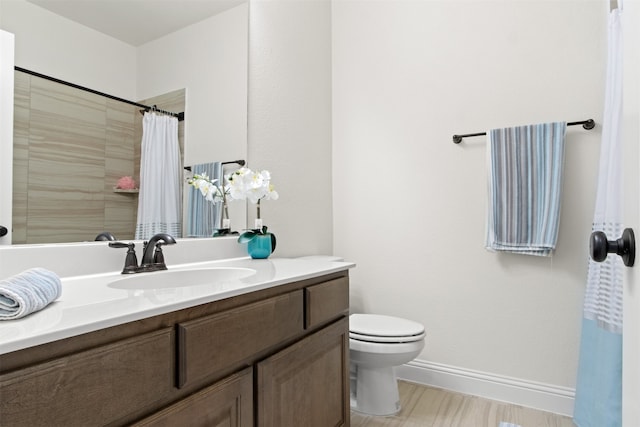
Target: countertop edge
{"type": "Point", "coordinates": [26, 339]}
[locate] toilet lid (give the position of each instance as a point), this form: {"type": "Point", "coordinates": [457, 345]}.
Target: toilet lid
{"type": "Point", "coordinates": [381, 328]}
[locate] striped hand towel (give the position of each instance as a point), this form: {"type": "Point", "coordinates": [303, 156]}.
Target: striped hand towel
{"type": "Point", "coordinates": [203, 217]}
{"type": "Point", "coordinates": [525, 166]}
{"type": "Point", "coordinates": [27, 292]}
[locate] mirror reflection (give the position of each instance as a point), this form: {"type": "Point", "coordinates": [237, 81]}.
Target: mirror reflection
{"type": "Point", "coordinates": [73, 153]}
{"type": "Point", "coordinates": [71, 148]}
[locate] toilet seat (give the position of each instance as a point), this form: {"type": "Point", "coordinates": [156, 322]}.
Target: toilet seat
{"type": "Point", "coordinates": [376, 328]}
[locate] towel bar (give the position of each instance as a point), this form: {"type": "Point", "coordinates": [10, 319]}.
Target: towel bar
{"type": "Point", "coordinates": [240, 162]}
{"type": "Point", "coordinates": [587, 124]}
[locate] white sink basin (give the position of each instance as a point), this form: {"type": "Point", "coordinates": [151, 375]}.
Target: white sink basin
{"type": "Point", "coordinates": [181, 278]}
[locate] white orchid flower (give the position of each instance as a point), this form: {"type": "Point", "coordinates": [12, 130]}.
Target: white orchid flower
{"type": "Point", "coordinates": [245, 184]}
{"type": "Point", "coordinates": [207, 187]}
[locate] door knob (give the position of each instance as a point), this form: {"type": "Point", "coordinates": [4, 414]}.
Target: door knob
{"type": "Point", "coordinates": [625, 246]}
{"type": "Point", "coordinates": [3, 231]}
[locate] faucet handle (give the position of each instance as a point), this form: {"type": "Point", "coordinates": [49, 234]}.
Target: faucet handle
{"type": "Point", "coordinates": [131, 261]}
{"type": "Point", "coordinates": [158, 257]}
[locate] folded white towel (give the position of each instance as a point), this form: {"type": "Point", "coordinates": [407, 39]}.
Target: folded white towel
{"type": "Point", "coordinates": [29, 291]}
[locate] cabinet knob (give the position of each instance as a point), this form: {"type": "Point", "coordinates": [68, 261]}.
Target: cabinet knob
{"type": "Point", "coordinates": [625, 246]}
{"type": "Point", "coordinates": [3, 230]}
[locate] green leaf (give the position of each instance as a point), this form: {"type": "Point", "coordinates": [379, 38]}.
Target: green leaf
{"type": "Point", "coordinates": [247, 236]}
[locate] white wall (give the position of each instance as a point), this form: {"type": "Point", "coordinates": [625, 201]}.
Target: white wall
{"type": "Point", "coordinates": [409, 205]}
{"type": "Point", "coordinates": [290, 119]}
{"type": "Point", "coordinates": [50, 44]}
{"type": "Point", "coordinates": [209, 59]}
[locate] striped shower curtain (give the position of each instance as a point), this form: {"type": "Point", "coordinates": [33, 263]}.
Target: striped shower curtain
{"type": "Point", "coordinates": [598, 400]}
{"type": "Point", "coordinates": [160, 198]}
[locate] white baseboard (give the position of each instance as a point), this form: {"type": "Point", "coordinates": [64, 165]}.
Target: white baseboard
{"type": "Point", "coordinates": [545, 397]}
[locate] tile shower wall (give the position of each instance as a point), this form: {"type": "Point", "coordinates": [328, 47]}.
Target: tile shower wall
{"type": "Point", "coordinates": [70, 148]}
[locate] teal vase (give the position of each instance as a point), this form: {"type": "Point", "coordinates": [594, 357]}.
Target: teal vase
{"type": "Point", "coordinates": [261, 246]}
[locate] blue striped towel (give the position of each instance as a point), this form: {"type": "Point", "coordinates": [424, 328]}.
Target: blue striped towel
{"type": "Point", "coordinates": [27, 292]}
{"type": "Point", "coordinates": [204, 217]}
{"type": "Point", "coordinates": [525, 166]}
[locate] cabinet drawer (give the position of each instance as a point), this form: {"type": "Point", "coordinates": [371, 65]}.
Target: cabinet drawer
{"type": "Point", "coordinates": [94, 387]}
{"type": "Point", "coordinates": [326, 301]}
{"type": "Point", "coordinates": [228, 402]}
{"type": "Point", "coordinates": [233, 337]}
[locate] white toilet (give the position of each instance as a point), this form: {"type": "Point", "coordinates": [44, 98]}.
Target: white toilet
{"type": "Point", "coordinates": [377, 344]}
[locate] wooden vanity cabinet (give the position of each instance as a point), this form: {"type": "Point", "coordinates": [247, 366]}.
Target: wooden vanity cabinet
{"type": "Point", "coordinates": [276, 357]}
{"type": "Point", "coordinates": [91, 387]}
{"type": "Point", "coordinates": [307, 383]}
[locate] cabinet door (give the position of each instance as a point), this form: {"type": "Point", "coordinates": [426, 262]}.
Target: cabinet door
{"type": "Point", "coordinates": [91, 388]}
{"type": "Point", "coordinates": [228, 403]}
{"type": "Point", "coordinates": [307, 383]}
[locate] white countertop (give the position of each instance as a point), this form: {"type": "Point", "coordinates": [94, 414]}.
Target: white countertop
{"type": "Point", "coordinates": [88, 303]}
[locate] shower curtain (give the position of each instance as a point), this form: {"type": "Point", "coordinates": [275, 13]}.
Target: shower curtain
{"type": "Point", "coordinates": [598, 401]}
{"type": "Point", "coordinates": [160, 198]}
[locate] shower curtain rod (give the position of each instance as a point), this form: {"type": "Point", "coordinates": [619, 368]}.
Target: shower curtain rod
{"type": "Point", "coordinates": [240, 162]}
{"type": "Point", "coordinates": [180, 116]}
{"type": "Point", "coordinates": [587, 124]}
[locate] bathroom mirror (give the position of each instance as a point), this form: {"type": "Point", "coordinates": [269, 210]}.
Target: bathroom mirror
{"type": "Point", "coordinates": [207, 58]}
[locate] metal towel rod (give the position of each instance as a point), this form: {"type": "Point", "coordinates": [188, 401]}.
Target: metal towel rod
{"type": "Point", "coordinates": [240, 162]}
{"type": "Point", "coordinates": [587, 124]}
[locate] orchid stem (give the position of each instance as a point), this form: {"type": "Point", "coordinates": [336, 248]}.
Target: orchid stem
{"type": "Point", "coordinates": [258, 209]}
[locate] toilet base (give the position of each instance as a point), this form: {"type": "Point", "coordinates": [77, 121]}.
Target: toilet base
{"type": "Point", "coordinates": [376, 391]}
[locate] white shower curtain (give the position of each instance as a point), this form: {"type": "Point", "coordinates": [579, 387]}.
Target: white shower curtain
{"type": "Point", "coordinates": [598, 401]}
{"type": "Point", "coordinates": [160, 198]}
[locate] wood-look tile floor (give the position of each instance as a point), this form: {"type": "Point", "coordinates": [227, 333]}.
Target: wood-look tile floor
{"type": "Point", "coordinates": [426, 406]}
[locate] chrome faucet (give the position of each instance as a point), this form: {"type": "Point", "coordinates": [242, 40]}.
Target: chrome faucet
{"type": "Point", "coordinates": [152, 257]}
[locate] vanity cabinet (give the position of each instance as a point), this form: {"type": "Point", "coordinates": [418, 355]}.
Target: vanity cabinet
{"type": "Point", "coordinates": [275, 357]}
